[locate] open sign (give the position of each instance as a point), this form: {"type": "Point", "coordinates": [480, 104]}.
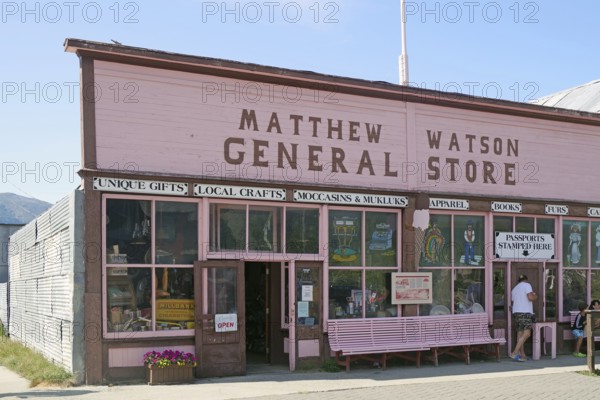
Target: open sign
{"type": "Point", "coordinates": [226, 323]}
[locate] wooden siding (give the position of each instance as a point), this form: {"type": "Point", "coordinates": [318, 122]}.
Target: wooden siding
{"type": "Point", "coordinates": [178, 123]}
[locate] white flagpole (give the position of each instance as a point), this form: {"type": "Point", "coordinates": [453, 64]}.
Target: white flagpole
{"type": "Point", "coordinates": [403, 59]}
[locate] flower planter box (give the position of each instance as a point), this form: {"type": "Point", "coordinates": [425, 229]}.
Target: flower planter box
{"type": "Point", "coordinates": [169, 374]}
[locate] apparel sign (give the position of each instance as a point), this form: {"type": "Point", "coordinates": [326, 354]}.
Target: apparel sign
{"type": "Point", "coordinates": [239, 192]}
{"type": "Point", "coordinates": [519, 246]}
{"type": "Point", "coordinates": [378, 200]}
{"type": "Point", "coordinates": [449, 204]}
{"type": "Point", "coordinates": [137, 186]}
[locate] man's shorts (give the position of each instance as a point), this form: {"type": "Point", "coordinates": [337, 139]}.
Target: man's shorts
{"type": "Point", "coordinates": [523, 321]}
{"type": "Point", "coordinates": [578, 333]}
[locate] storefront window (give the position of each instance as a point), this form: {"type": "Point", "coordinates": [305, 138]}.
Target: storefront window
{"type": "Point", "coordinates": [174, 298]}
{"type": "Point", "coordinates": [524, 224]}
{"type": "Point", "coordinates": [264, 229]}
{"type": "Point", "coordinates": [595, 246]}
{"type": "Point", "coordinates": [545, 225]}
{"type": "Point", "coordinates": [574, 289]}
{"type": "Point", "coordinates": [344, 294]}
{"type": "Point", "coordinates": [441, 304]}
{"type": "Point", "coordinates": [378, 298]}
{"type": "Point", "coordinates": [550, 288]}
{"type": "Point", "coordinates": [469, 240]}
{"type": "Point", "coordinates": [302, 231]}
{"type": "Point", "coordinates": [129, 299]}
{"type": "Point", "coordinates": [499, 293]}
{"type": "Point", "coordinates": [164, 290]}
{"type": "Point", "coordinates": [128, 231]}
{"type": "Point", "coordinates": [381, 239]}
{"type": "Point", "coordinates": [469, 291]}
{"type": "Point", "coordinates": [436, 245]}
{"type": "Point", "coordinates": [176, 232]}
{"type": "Point", "coordinates": [595, 285]}
{"type": "Point", "coordinates": [222, 291]}
{"type": "Point", "coordinates": [227, 227]}
{"type": "Point", "coordinates": [345, 233]}
{"type": "Point", "coordinates": [308, 296]}
{"type": "Point", "coordinates": [503, 224]}
{"type": "Point", "coordinates": [455, 244]}
{"type": "Point", "coordinates": [575, 244]}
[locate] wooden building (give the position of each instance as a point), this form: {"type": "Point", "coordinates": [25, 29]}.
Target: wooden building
{"type": "Point", "coordinates": [239, 207]}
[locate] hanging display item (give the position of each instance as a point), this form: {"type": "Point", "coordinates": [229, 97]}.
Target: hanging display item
{"type": "Point", "coordinates": [344, 232]}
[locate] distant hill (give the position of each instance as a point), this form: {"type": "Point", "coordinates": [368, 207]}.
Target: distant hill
{"type": "Point", "coordinates": [19, 210]}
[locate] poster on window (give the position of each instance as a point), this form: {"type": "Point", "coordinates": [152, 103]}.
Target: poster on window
{"type": "Point", "coordinates": [411, 288]}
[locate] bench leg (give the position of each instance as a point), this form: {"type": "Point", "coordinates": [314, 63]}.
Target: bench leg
{"type": "Point", "coordinates": [467, 355]}
{"type": "Point", "coordinates": [435, 356]}
{"type": "Point", "coordinates": [418, 359]}
{"type": "Point", "coordinates": [384, 361]}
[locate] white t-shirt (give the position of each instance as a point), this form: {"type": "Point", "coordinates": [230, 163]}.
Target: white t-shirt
{"type": "Point", "coordinates": [521, 303]}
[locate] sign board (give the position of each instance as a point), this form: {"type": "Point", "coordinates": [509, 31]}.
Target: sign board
{"type": "Point", "coordinates": [226, 323]}
{"type": "Point", "coordinates": [556, 209]}
{"type": "Point", "coordinates": [523, 246]}
{"type": "Point", "coordinates": [593, 212]}
{"type": "Point", "coordinates": [138, 186]}
{"type": "Point", "coordinates": [506, 207]}
{"type": "Point", "coordinates": [239, 192]}
{"type": "Point", "coordinates": [175, 310]}
{"type": "Point", "coordinates": [449, 204]}
{"type": "Point", "coordinates": [411, 288]}
{"type": "Point", "coordinates": [377, 200]}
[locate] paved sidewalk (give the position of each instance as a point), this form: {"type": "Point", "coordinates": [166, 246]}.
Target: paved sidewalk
{"type": "Point", "coordinates": [450, 380]}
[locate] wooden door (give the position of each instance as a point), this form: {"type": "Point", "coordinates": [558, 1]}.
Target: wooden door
{"type": "Point", "coordinates": [534, 272]}
{"type": "Point", "coordinates": [220, 318]}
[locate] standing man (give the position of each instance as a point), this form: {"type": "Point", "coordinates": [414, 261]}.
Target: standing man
{"type": "Point", "coordinates": [523, 297]}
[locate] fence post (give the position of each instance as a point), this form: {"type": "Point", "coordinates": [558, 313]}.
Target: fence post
{"type": "Point", "coordinates": [592, 328]}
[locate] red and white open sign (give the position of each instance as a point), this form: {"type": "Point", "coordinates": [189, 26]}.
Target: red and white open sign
{"type": "Point", "coordinates": [226, 323]}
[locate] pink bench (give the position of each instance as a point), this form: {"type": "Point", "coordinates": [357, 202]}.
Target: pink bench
{"type": "Point", "coordinates": [458, 335]}
{"type": "Point", "coordinates": [375, 340]}
{"type": "Point", "coordinates": [394, 337]}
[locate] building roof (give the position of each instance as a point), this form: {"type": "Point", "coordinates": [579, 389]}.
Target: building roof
{"type": "Point", "coordinates": [584, 97]}
{"type": "Point", "coordinates": [161, 59]}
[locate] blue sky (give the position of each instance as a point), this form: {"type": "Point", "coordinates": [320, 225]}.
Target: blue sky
{"type": "Point", "coordinates": [514, 50]}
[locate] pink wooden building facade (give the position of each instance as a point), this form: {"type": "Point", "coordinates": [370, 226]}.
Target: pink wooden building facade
{"type": "Point", "coordinates": [239, 207]}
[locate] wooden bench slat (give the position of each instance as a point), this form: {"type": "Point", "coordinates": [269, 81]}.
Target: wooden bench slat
{"type": "Point", "coordinates": [391, 337]}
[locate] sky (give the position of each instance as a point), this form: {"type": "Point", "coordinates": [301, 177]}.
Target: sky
{"type": "Point", "coordinates": [512, 50]}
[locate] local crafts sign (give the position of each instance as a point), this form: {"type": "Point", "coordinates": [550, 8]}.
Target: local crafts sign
{"type": "Point", "coordinates": [522, 246]}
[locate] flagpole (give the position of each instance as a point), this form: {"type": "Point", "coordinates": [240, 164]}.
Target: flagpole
{"type": "Point", "coordinates": [403, 59]}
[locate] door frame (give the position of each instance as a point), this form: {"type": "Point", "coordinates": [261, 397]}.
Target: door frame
{"type": "Point", "coordinates": [534, 271]}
